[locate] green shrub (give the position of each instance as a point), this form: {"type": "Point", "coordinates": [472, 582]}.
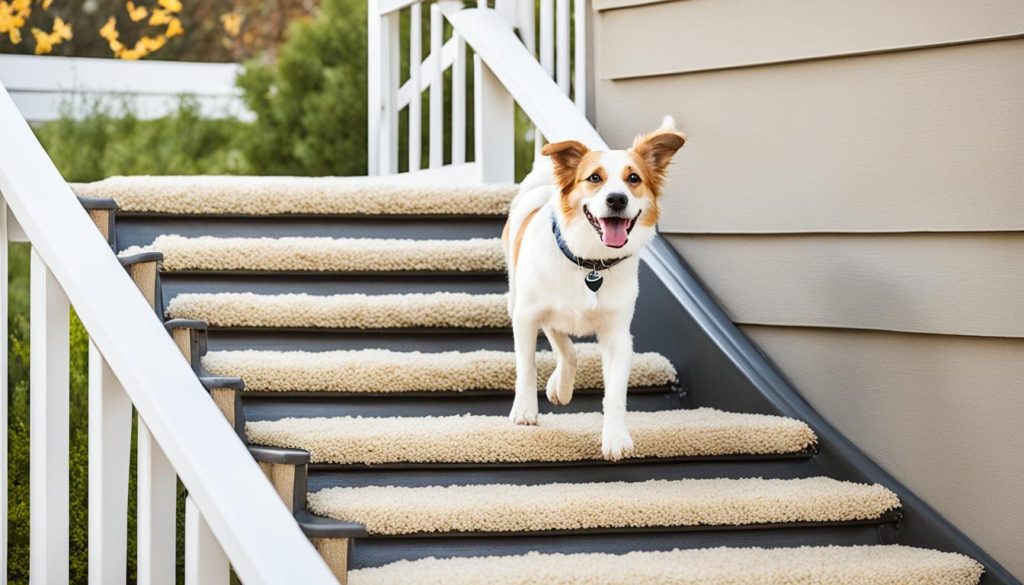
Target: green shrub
{"type": "Point", "coordinates": [114, 141]}
{"type": "Point", "coordinates": [311, 105]}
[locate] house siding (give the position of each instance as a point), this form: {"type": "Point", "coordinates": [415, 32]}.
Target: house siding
{"type": "Point", "coordinates": [852, 192]}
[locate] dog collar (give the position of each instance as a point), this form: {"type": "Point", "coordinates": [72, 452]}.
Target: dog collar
{"type": "Point", "coordinates": [593, 280]}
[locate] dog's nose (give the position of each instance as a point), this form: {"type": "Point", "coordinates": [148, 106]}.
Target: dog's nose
{"type": "Point", "coordinates": [617, 201]}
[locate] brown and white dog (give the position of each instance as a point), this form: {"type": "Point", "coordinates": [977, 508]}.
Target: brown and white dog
{"type": "Point", "coordinates": [572, 244]}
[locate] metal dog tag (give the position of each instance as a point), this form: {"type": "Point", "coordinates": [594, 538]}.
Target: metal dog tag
{"type": "Point", "coordinates": [593, 280]}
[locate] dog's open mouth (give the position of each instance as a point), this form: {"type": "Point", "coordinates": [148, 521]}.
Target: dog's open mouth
{"type": "Point", "coordinates": [613, 231]}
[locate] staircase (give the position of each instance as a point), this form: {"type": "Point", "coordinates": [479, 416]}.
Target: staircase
{"type": "Point", "coordinates": [354, 333]}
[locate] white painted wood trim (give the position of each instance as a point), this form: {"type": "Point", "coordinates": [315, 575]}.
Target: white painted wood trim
{"type": "Point", "coordinates": [110, 436]}
{"type": "Point", "coordinates": [579, 94]}
{"type": "Point", "coordinates": [389, 63]}
{"type": "Point", "coordinates": [495, 126]}
{"type": "Point", "coordinates": [448, 55]}
{"type": "Point", "coordinates": [436, 89]}
{"type": "Point", "coordinates": [374, 80]}
{"type": "Point", "coordinates": [156, 513]}
{"type": "Point", "coordinates": [414, 101]}
{"type": "Point", "coordinates": [459, 101]}
{"type": "Point", "coordinates": [49, 409]}
{"type": "Point", "coordinates": [222, 478]}
{"type": "Point", "coordinates": [563, 55]}
{"type": "Point", "coordinates": [524, 78]}
{"type": "Point", "coordinates": [205, 562]}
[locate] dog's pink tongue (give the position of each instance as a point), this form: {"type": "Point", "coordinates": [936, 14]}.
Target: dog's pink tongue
{"type": "Point", "coordinates": [613, 231]}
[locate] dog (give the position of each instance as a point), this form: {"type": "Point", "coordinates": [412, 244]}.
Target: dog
{"type": "Point", "coordinates": [572, 243]}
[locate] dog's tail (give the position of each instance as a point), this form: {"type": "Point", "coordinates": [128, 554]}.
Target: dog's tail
{"type": "Point", "coordinates": [541, 176]}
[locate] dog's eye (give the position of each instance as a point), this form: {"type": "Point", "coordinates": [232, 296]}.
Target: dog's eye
{"type": "Point", "coordinates": [595, 178]}
{"type": "Point", "coordinates": [634, 179]}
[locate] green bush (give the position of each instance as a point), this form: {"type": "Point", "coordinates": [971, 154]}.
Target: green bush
{"type": "Point", "coordinates": [311, 105]}
{"type": "Point", "coordinates": [114, 141]}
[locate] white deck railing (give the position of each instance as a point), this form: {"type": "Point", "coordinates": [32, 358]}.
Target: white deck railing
{"type": "Point", "coordinates": [233, 513]}
{"type": "Point", "coordinates": [557, 51]}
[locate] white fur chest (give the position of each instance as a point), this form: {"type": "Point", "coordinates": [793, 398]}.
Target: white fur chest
{"type": "Point", "coordinates": [550, 286]}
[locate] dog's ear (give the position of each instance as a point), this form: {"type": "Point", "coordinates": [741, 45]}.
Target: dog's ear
{"type": "Point", "coordinates": [565, 157]}
{"type": "Point", "coordinates": [657, 148]}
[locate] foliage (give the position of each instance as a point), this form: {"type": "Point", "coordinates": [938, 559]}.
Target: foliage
{"type": "Point", "coordinates": [103, 144]}
{"type": "Point", "coordinates": [311, 106]}
{"type": "Point", "coordinates": [188, 30]}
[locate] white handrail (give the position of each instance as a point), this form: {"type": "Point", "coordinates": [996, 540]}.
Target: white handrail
{"type": "Point", "coordinates": [536, 93]}
{"type": "Point", "coordinates": [251, 523]}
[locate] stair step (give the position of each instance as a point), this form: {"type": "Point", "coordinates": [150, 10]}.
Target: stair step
{"type": "Point", "coordinates": [291, 254]}
{"type": "Point", "coordinates": [664, 434]}
{"type": "Point", "coordinates": [385, 371]}
{"type": "Point", "coordinates": [354, 311]}
{"type": "Point", "coordinates": [505, 508]}
{"type": "Point", "coordinates": [831, 565]}
{"type": "Point", "coordinates": [268, 196]}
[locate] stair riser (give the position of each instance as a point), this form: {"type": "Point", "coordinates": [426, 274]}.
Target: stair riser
{"type": "Point", "coordinates": [268, 406]}
{"type": "Point", "coordinates": [330, 284]}
{"type": "Point", "coordinates": [792, 467]}
{"type": "Point", "coordinates": [140, 230]}
{"type": "Point", "coordinates": [378, 551]}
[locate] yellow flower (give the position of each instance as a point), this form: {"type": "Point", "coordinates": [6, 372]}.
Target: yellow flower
{"type": "Point", "coordinates": [232, 23]}
{"type": "Point", "coordinates": [159, 17]}
{"type": "Point", "coordinates": [150, 44]}
{"type": "Point", "coordinates": [174, 28]}
{"type": "Point", "coordinates": [15, 35]}
{"type": "Point", "coordinates": [136, 13]}
{"type": "Point", "coordinates": [22, 6]}
{"type": "Point", "coordinates": [44, 44]}
{"type": "Point", "coordinates": [45, 4]}
{"type": "Point", "coordinates": [61, 30]}
{"type": "Point", "coordinates": [171, 5]}
{"type": "Point", "coordinates": [130, 55]}
{"type": "Point", "coordinates": [109, 30]}
{"type": "Point", "coordinates": [116, 46]}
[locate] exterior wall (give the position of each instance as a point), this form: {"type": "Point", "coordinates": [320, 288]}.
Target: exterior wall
{"type": "Point", "coordinates": [853, 193]}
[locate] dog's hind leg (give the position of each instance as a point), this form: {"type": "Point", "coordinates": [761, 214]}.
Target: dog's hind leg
{"type": "Point", "coordinates": [524, 407]}
{"type": "Point", "coordinates": [560, 384]}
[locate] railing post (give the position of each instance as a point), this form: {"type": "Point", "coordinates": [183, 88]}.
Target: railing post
{"type": "Point", "coordinates": [3, 391]}
{"type": "Point", "coordinates": [436, 88]}
{"type": "Point", "coordinates": [110, 436]}
{"type": "Point", "coordinates": [48, 435]}
{"type": "Point", "coordinates": [157, 512]}
{"type": "Point", "coordinates": [388, 70]}
{"type": "Point", "coordinates": [205, 562]}
{"type": "Point", "coordinates": [494, 127]}
{"type": "Point", "coordinates": [374, 103]}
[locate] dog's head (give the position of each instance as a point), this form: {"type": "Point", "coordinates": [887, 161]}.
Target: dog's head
{"type": "Point", "coordinates": [609, 200]}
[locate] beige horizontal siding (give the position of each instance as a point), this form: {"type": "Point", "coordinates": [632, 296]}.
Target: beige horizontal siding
{"type": "Point", "coordinates": [942, 414]}
{"type": "Point", "coordinates": [925, 140]}
{"type": "Point", "coordinates": [696, 35]}
{"type": "Point", "coordinates": [956, 283]}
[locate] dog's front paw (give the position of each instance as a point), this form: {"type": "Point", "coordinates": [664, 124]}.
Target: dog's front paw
{"type": "Point", "coordinates": [523, 414]}
{"type": "Point", "coordinates": [560, 388]}
{"type": "Point", "coordinates": [616, 442]}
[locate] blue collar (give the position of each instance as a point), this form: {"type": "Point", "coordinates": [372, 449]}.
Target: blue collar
{"type": "Point", "coordinates": [581, 262]}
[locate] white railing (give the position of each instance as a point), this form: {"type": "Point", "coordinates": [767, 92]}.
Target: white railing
{"type": "Point", "coordinates": [233, 513]}
{"type": "Point", "coordinates": [44, 87]}
{"type": "Point", "coordinates": [559, 46]}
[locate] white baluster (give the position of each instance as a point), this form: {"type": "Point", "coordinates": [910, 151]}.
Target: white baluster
{"type": "Point", "coordinates": [205, 562]}
{"type": "Point", "coordinates": [157, 513]}
{"type": "Point", "coordinates": [3, 392]}
{"type": "Point", "coordinates": [494, 115]}
{"type": "Point", "coordinates": [580, 64]}
{"type": "Point", "coordinates": [415, 102]}
{"type": "Point", "coordinates": [546, 52]}
{"type": "Point", "coordinates": [110, 436]}
{"type": "Point", "coordinates": [374, 83]}
{"type": "Point", "coordinates": [389, 61]}
{"type": "Point", "coordinates": [562, 38]}
{"type": "Point", "coordinates": [459, 101]}
{"type": "Point", "coordinates": [48, 414]}
{"type": "Point", "coordinates": [436, 89]}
